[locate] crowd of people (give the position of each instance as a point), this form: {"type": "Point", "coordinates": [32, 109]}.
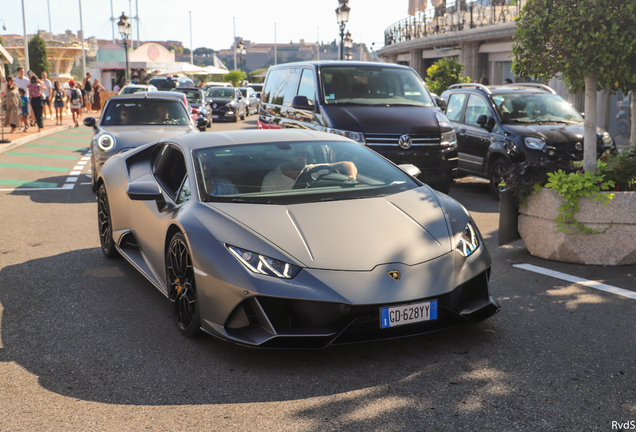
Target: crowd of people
{"type": "Point", "coordinates": [28, 98]}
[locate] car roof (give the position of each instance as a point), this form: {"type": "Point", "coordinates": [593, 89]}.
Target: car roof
{"type": "Point", "coordinates": [186, 88]}
{"type": "Point", "coordinates": [241, 137]}
{"type": "Point", "coordinates": [321, 63]}
{"type": "Point", "coordinates": [527, 88]}
{"type": "Point", "coordinates": [145, 95]}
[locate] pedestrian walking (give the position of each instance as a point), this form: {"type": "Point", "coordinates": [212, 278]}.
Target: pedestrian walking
{"type": "Point", "coordinates": [36, 95]}
{"type": "Point", "coordinates": [58, 102]}
{"type": "Point", "coordinates": [47, 93]}
{"type": "Point", "coordinates": [74, 100]}
{"type": "Point", "coordinates": [88, 90]}
{"type": "Point", "coordinates": [24, 109]}
{"type": "Point", "coordinates": [116, 88]}
{"type": "Point", "coordinates": [22, 82]}
{"type": "Point", "coordinates": [12, 105]}
{"type": "Point", "coordinates": [84, 106]}
{"type": "Point", "coordinates": [97, 102]}
{"type": "Point", "coordinates": [32, 120]}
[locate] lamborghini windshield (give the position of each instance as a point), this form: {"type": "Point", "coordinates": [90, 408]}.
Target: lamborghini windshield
{"type": "Point", "coordinates": [296, 172]}
{"type": "Point", "coordinates": [373, 85]}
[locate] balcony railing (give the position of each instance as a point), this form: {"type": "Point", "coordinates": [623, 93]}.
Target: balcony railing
{"type": "Point", "coordinates": [451, 16]}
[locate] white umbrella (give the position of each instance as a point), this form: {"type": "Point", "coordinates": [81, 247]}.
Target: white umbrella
{"type": "Point", "coordinates": [213, 70]}
{"type": "Point", "coordinates": [184, 69]}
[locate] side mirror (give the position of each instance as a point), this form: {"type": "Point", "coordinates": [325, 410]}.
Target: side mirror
{"type": "Point", "coordinates": [410, 169]}
{"type": "Point", "coordinates": [482, 120]}
{"type": "Point", "coordinates": [89, 121]}
{"type": "Point", "coordinates": [202, 122]}
{"type": "Point", "coordinates": [144, 191]}
{"type": "Point", "coordinates": [302, 103]}
{"type": "Point", "coordinates": [258, 95]}
{"type": "Point", "coordinates": [441, 103]}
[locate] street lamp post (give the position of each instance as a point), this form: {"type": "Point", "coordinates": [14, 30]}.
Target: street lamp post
{"type": "Point", "coordinates": [348, 44]}
{"type": "Point", "coordinates": [241, 50]}
{"type": "Point", "coordinates": [124, 31]}
{"type": "Point", "coordinates": [342, 17]}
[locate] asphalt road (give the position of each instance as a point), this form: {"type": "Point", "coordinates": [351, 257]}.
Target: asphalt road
{"type": "Point", "coordinates": [87, 344]}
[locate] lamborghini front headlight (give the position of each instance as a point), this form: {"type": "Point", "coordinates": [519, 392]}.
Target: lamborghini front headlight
{"type": "Point", "coordinates": [264, 265]}
{"type": "Point", "coordinates": [469, 240]}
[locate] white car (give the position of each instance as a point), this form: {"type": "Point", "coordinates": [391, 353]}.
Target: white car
{"type": "Point", "coordinates": [134, 88]}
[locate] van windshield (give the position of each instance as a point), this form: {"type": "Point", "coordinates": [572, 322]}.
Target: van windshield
{"type": "Point", "coordinates": [373, 85]}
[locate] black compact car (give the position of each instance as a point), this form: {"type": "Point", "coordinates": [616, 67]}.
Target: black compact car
{"type": "Point", "coordinates": [385, 107]}
{"type": "Point", "coordinates": [497, 126]}
{"type": "Point", "coordinates": [227, 103]}
{"type": "Point", "coordinates": [129, 121]}
{"type": "Point", "coordinates": [198, 101]}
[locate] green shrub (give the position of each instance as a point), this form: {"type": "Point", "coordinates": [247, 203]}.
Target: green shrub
{"type": "Point", "coordinates": [443, 74]}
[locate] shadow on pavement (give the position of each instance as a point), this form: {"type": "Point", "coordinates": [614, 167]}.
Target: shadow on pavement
{"type": "Point", "coordinates": [103, 333]}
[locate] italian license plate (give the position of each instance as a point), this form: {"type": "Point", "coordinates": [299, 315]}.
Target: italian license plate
{"type": "Point", "coordinates": [408, 314]}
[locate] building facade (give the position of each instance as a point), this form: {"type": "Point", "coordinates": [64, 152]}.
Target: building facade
{"type": "Point", "coordinates": [479, 35]}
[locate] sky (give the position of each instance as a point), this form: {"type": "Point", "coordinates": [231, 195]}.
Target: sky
{"type": "Point", "coordinates": [212, 20]}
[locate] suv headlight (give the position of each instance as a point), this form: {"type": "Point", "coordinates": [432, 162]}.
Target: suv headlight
{"type": "Point", "coordinates": [106, 142]}
{"type": "Point", "coordinates": [264, 265]}
{"type": "Point", "coordinates": [607, 139]}
{"type": "Point", "coordinates": [448, 139]}
{"type": "Point", "coordinates": [469, 241]}
{"type": "Point", "coordinates": [534, 143]}
{"type": "Point", "coordinates": [356, 136]}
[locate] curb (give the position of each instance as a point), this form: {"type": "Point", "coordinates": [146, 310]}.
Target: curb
{"type": "Point", "coordinates": [18, 142]}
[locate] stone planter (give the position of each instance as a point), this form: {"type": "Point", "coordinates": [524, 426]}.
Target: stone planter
{"type": "Point", "coordinates": [615, 244]}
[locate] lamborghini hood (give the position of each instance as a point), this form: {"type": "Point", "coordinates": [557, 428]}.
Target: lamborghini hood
{"type": "Point", "coordinates": [358, 235]}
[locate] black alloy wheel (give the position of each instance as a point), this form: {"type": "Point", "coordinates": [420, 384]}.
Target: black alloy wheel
{"type": "Point", "coordinates": [181, 286]}
{"type": "Point", "coordinates": [104, 224]}
{"type": "Point", "coordinates": [497, 172]}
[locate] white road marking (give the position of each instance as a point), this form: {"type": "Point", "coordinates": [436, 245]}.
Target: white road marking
{"type": "Point", "coordinates": [71, 179]}
{"type": "Point", "coordinates": [578, 280]}
{"type": "Point", "coordinates": [75, 173]}
{"type": "Point", "coordinates": [78, 167]}
{"type": "Point", "coordinates": [86, 158]}
{"type": "Point", "coordinates": [63, 187]}
{"type": "Point", "coordinates": [83, 163]}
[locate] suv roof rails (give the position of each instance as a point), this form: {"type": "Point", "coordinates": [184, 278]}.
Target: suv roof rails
{"type": "Point", "coordinates": [479, 86]}
{"type": "Point", "coordinates": [535, 85]}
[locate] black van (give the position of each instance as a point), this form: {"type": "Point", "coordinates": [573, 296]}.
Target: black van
{"type": "Point", "coordinates": [384, 106]}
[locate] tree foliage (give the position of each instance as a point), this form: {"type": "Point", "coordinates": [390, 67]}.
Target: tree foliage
{"type": "Point", "coordinates": [443, 74]}
{"type": "Point", "coordinates": [234, 77]}
{"type": "Point", "coordinates": [590, 43]}
{"type": "Point", "coordinates": [576, 38]}
{"type": "Point", "coordinates": [38, 59]}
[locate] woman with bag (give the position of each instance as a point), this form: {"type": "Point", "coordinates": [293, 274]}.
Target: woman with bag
{"type": "Point", "coordinates": [36, 94]}
{"type": "Point", "coordinates": [12, 105]}
{"type": "Point", "coordinates": [74, 99]}
{"type": "Point", "coordinates": [58, 102]}
{"type": "Point", "coordinates": [97, 99]}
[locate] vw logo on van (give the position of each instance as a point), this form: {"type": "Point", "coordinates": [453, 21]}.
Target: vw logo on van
{"type": "Point", "coordinates": [405, 141]}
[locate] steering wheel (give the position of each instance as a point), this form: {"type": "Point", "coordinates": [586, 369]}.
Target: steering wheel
{"type": "Point", "coordinates": [316, 173]}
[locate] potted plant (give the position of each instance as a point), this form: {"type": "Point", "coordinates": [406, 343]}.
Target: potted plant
{"type": "Point", "coordinates": [569, 214]}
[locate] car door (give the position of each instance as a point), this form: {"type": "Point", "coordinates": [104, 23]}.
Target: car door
{"type": "Point", "coordinates": [301, 118]}
{"type": "Point", "coordinates": [476, 139]}
{"type": "Point", "coordinates": [152, 219]}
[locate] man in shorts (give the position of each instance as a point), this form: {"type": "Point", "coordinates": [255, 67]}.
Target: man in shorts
{"type": "Point", "coordinates": [74, 100]}
{"type": "Point", "coordinates": [88, 89]}
{"type": "Point", "coordinates": [46, 103]}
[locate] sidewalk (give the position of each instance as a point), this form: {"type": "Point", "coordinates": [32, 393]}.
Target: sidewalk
{"type": "Point", "coordinates": [19, 137]}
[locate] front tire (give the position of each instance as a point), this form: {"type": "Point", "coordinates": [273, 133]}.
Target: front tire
{"type": "Point", "coordinates": [181, 286]}
{"type": "Point", "coordinates": [105, 224]}
{"type": "Point", "coordinates": [496, 175]}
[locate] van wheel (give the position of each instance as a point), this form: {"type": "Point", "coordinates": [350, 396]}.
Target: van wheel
{"type": "Point", "coordinates": [497, 172]}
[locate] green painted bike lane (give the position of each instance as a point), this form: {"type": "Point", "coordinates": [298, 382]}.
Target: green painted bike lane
{"type": "Point", "coordinates": [53, 162]}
